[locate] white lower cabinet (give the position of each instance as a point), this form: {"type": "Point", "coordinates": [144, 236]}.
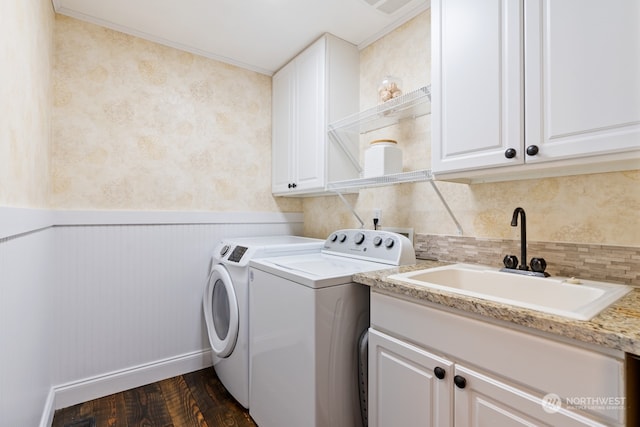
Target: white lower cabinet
{"type": "Point", "coordinates": [402, 370]}
{"type": "Point", "coordinates": [486, 401]}
{"type": "Point", "coordinates": [431, 367]}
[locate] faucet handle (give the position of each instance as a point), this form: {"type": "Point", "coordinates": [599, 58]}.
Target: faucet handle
{"type": "Point", "coordinates": [538, 265]}
{"type": "Point", "coordinates": [510, 261]}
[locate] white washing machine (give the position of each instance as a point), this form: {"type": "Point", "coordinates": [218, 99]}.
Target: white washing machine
{"type": "Point", "coordinates": [226, 303]}
{"type": "Point", "coordinates": [306, 316]}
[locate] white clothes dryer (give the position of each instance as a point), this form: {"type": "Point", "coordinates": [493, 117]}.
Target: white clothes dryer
{"type": "Point", "coordinates": [226, 303]}
{"type": "Point", "coordinates": [307, 317]}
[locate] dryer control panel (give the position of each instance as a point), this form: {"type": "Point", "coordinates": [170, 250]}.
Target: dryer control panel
{"type": "Point", "coordinates": [237, 253]}
{"type": "Point", "coordinates": [372, 245]}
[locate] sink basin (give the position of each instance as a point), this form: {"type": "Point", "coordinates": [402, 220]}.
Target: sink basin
{"type": "Point", "coordinates": [553, 295]}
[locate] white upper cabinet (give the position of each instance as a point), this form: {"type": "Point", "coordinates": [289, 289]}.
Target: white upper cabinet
{"type": "Point", "coordinates": [316, 87]}
{"type": "Point", "coordinates": [476, 90]}
{"type": "Point", "coordinates": [535, 87]}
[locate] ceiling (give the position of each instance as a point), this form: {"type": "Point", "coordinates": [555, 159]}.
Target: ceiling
{"type": "Point", "coordinates": [260, 35]}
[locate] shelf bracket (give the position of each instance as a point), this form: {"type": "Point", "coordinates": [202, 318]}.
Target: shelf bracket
{"type": "Point", "coordinates": [351, 208]}
{"type": "Point", "coordinates": [446, 206]}
{"type": "Point", "coordinates": [416, 176]}
{"type": "Point", "coordinates": [335, 137]}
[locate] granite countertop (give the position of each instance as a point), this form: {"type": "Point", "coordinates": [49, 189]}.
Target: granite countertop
{"type": "Point", "coordinates": [617, 327]}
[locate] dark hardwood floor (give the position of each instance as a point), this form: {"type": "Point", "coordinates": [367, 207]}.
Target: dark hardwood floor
{"type": "Point", "coordinates": [197, 399]}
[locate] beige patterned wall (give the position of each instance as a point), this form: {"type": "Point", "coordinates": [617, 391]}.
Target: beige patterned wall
{"type": "Point", "coordinates": [26, 28]}
{"type": "Point", "coordinates": [141, 126]}
{"type": "Point", "coordinates": [598, 208]}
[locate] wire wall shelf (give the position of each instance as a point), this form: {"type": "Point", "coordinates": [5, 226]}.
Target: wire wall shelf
{"type": "Point", "coordinates": [379, 181]}
{"type": "Point", "coordinates": [408, 106]}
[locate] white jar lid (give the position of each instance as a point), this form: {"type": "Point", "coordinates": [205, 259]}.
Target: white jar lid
{"type": "Point", "coordinates": [383, 141]}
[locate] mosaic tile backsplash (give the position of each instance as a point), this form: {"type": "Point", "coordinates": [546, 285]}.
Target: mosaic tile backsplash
{"type": "Point", "coordinates": [617, 264]}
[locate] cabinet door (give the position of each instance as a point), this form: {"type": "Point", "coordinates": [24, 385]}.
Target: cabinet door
{"type": "Point", "coordinates": [477, 83]}
{"type": "Point", "coordinates": [485, 401]}
{"type": "Point", "coordinates": [311, 124]}
{"type": "Point", "coordinates": [403, 389]}
{"type": "Point", "coordinates": [582, 77]}
{"type": "Point", "coordinates": [283, 128]}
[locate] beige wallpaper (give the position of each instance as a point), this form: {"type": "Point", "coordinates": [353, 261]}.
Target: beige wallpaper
{"type": "Point", "coordinates": [141, 126]}
{"type": "Point", "coordinates": [26, 28]}
{"type": "Point", "coordinates": [599, 208]}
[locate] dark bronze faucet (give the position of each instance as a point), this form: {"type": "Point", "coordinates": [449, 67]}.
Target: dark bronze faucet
{"type": "Point", "coordinates": [538, 265]}
{"type": "Point", "coordinates": [523, 236]}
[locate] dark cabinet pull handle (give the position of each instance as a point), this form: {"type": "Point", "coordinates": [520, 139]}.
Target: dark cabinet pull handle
{"type": "Point", "coordinates": [439, 372]}
{"type": "Point", "coordinates": [532, 150]}
{"type": "Point", "coordinates": [289, 185]}
{"type": "Point", "coordinates": [459, 381]}
{"type": "Point", "coordinates": [510, 153]}
{"type": "Point", "coordinates": [294, 185]}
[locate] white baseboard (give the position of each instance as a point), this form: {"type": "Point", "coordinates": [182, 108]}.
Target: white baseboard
{"type": "Point", "coordinates": [49, 410]}
{"type": "Point", "coordinates": [65, 395]}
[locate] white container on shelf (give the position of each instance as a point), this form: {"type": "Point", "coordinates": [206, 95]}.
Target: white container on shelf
{"type": "Point", "coordinates": [383, 157]}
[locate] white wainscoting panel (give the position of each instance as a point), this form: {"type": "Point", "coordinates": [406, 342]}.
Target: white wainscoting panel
{"type": "Point", "coordinates": [130, 296]}
{"type": "Point", "coordinates": [92, 303]}
{"type": "Point", "coordinates": [25, 320]}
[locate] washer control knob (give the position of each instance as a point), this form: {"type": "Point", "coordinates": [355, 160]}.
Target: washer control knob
{"type": "Point", "coordinates": [224, 250]}
{"type": "Point", "coordinates": [388, 242]}
{"type": "Point", "coordinates": [359, 238]}
{"type": "Point", "coordinates": [377, 241]}
{"type": "Point", "coordinates": [333, 237]}
{"type": "Point", "coordinates": [342, 238]}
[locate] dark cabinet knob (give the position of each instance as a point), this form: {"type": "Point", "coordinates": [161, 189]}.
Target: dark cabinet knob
{"type": "Point", "coordinates": [510, 153]}
{"type": "Point", "coordinates": [294, 185]}
{"type": "Point", "coordinates": [539, 265]}
{"type": "Point", "coordinates": [459, 381]}
{"type": "Point", "coordinates": [289, 185]}
{"type": "Point", "coordinates": [532, 150]}
{"type": "Point", "coordinates": [510, 261]}
{"type": "Point", "coordinates": [439, 372]}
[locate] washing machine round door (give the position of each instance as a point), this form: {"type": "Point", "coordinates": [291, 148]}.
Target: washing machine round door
{"type": "Point", "coordinates": [221, 311]}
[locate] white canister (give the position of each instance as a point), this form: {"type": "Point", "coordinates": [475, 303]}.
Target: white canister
{"type": "Point", "coordinates": [383, 157]}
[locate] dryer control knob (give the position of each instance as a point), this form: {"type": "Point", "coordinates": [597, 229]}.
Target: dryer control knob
{"type": "Point", "coordinates": [359, 238]}
{"type": "Point", "coordinates": [389, 242]}
{"type": "Point", "coordinates": [377, 241]}
{"type": "Point", "coordinates": [224, 250]}
{"type": "Point", "coordinates": [342, 238]}
{"type": "Point", "coordinates": [333, 237]}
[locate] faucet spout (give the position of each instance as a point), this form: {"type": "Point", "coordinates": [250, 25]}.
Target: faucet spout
{"type": "Point", "coordinates": [523, 236]}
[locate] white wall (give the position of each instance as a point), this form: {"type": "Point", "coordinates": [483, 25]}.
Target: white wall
{"type": "Point", "coordinates": [93, 306]}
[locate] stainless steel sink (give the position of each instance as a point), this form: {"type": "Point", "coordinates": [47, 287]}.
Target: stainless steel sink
{"type": "Point", "coordinates": [553, 295]}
